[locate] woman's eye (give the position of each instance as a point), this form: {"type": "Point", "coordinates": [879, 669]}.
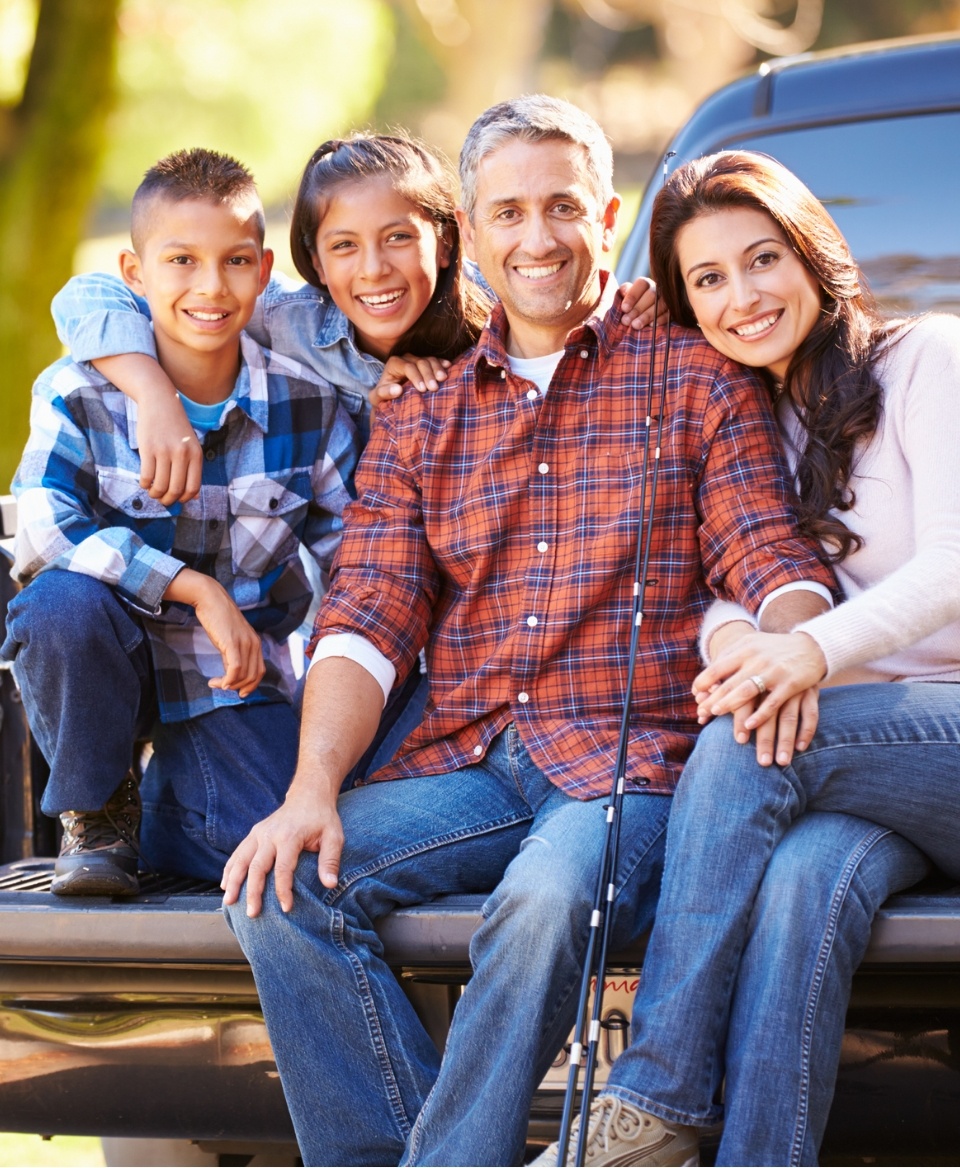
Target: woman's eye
{"type": "Point", "coordinates": [766, 258]}
{"type": "Point", "coordinates": [708, 279]}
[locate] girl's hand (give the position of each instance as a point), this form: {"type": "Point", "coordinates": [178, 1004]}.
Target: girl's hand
{"type": "Point", "coordinates": [423, 373]}
{"type": "Point", "coordinates": [638, 301]}
{"type": "Point", "coordinates": [786, 664]}
{"type": "Point", "coordinates": [171, 458]}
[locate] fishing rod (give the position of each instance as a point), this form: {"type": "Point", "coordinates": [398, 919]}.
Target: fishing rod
{"type": "Point", "coordinates": [601, 918]}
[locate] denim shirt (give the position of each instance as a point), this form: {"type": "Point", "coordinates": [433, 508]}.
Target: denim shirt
{"type": "Point", "coordinates": [97, 315]}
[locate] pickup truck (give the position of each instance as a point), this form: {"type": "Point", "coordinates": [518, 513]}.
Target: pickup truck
{"type": "Point", "coordinates": [138, 1021]}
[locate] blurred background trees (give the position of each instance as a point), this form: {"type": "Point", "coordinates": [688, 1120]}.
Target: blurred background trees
{"type": "Point", "coordinates": [93, 91]}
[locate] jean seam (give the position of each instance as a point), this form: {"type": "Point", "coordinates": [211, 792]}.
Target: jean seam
{"type": "Point", "coordinates": [375, 1030]}
{"type": "Point", "coordinates": [837, 902]}
{"type": "Point", "coordinates": [418, 849]}
{"type": "Point", "coordinates": [210, 812]}
{"type": "Point", "coordinates": [684, 1119]}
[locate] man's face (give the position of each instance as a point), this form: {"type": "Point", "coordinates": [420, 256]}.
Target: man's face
{"type": "Point", "coordinates": [538, 234]}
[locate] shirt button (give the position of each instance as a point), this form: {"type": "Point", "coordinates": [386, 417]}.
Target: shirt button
{"type": "Point", "coordinates": [542, 545]}
{"type": "Point", "coordinates": [209, 454]}
{"type": "Point", "coordinates": [584, 353]}
{"type": "Point", "coordinates": [478, 750]}
{"type": "Point", "coordinates": [214, 524]}
{"type": "Point", "coordinates": [137, 504]}
{"type": "Point", "coordinates": [274, 504]}
{"type": "Point", "coordinates": [532, 622]}
{"type": "Point", "coordinates": [523, 697]}
{"type": "Point", "coordinates": [503, 375]}
{"type": "Point", "coordinates": [543, 468]}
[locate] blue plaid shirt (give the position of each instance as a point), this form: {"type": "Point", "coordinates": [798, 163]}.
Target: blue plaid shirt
{"type": "Point", "coordinates": [276, 476]}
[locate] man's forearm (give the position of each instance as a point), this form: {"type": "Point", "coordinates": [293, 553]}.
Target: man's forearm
{"type": "Point", "coordinates": [342, 704]}
{"type": "Point", "coordinates": [786, 611]}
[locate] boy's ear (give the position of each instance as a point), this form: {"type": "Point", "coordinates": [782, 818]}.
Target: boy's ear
{"type": "Point", "coordinates": [466, 233]}
{"type": "Point", "coordinates": [130, 271]}
{"type": "Point", "coordinates": [266, 267]}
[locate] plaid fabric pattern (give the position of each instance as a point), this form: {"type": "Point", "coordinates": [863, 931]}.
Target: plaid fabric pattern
{"type": "Point", "coordinates": [502, 525]}
{"type": "Point", "coordinates": [276, 474]}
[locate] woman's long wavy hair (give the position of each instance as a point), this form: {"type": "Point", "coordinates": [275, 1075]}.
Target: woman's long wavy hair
{"type": "Point", "coordinates": [830, 381]}
{"type": "Point", "coordinates": [456, 313]}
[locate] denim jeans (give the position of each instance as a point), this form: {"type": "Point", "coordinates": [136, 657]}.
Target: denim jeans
{"type": "Point", "coordinates": [362, 1079]}
{"type": "Point", "coordinates": [84, 670]}
{"type": "Point", "coordinates": [764, 915]}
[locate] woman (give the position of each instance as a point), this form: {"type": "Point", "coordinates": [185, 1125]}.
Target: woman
{"type": "Point", "coordinates": [765, 912]}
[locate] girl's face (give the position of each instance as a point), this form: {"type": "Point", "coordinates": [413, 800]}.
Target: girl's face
{"type": "Point", "coordinates": [752, 295]}
{"type": "Point", "coordinates": [379, 257]}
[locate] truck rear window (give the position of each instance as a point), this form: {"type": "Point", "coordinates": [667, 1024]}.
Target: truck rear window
{"type": "Point", "coordinates": [892, 186]}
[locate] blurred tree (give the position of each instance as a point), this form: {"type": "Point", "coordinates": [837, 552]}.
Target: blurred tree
{"type": "Point", "coordinates": [52, 137]}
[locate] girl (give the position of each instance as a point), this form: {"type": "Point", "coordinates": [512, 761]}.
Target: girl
{"type": "Point", "coordinates": [765, 912]}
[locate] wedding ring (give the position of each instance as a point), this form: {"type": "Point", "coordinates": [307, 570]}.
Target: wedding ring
{"type": "Point", "coordinates": [760, 684]}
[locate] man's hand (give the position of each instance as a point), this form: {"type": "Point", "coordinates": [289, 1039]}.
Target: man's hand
{"type": "Point", "coordinates": [171, 459]}
{"type": "Point", "coordinates": [638, 303]}
{"type": "Point", "coordinates": [227, 628]}
{"type": "Point", "coordinates": [303, 824]}
{"type": "Point", "coordinates": [423, 373]}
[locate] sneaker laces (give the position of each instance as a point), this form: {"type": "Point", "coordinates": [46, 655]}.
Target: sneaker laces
{"type": "Point", "coordinates": [610, 1118]}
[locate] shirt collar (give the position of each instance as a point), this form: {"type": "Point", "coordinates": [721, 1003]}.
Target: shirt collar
{"type": "Point", "coordinates": [252, 394]}
{"type": "Point", "coordinates": [601, 326]}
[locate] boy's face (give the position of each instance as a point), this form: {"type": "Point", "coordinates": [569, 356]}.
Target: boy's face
{"type": "Point", "coordinates": [200, 266]}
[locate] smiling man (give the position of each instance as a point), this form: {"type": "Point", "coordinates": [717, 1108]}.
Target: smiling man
{"type": "Point", "coordinates": [496, 525]}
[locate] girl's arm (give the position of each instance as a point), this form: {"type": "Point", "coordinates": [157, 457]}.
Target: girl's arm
{"type": "Point", "coordinates": [101, 321]}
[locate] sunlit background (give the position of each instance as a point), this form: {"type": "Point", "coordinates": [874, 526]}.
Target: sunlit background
{"type": "Point", "coordinates": [93, 91]}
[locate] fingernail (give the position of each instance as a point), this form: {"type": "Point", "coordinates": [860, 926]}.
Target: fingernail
{"type": "Point", "coordinates": [783, 758]}
{"type": "Point", "coordinates": [743, 739]}
{"type": "Point", "coordinates": [765, 759]}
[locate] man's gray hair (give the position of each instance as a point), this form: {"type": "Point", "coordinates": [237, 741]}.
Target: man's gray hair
{"type": "Point", "coordinates": [535, 118]}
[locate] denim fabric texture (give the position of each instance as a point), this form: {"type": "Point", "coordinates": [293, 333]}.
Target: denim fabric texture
{"type": "Point", "coordinates": [738, 856]}
{"type": "Point", "coordinates": [84, 670]}
{"type": "Point", "coordinates": [359, 1072]}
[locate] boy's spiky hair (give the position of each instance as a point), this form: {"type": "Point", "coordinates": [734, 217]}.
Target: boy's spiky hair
{"type": "Point", "coordinates": [194, 174]}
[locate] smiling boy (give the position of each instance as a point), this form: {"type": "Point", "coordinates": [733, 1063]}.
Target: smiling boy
{"type": "Point", "coordinates": [142, 621]}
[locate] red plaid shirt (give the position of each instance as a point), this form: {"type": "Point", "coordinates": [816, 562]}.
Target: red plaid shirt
{"type": "Point", "coordinates": [499, 528]}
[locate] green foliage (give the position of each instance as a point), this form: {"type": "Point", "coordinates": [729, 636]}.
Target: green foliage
{"type": "Point", "coordinates": [266, 82]}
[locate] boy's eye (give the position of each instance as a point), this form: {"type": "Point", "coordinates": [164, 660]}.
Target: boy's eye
{"type": "Point", "coordinates": [180, 259]}
{"type": "Point", "coordinates": [238, 261]}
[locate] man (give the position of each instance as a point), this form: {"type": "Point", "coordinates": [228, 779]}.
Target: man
{"type": "Point", "coordinates": [499, 519]}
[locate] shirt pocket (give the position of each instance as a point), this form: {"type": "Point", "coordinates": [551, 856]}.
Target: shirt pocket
{"type": "Point", "coordinates": [266, 517]}
{"type": "Point", "coordinates": [126, 504]}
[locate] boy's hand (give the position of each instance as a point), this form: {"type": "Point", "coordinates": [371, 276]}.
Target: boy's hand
{"type": "Point", "coordinates": [638, 301]}
{"type": "Point", "coordinates": [171, 458]}
{"type": "Point", "coordinates": [227, 628]}
{"type": "Point", "coordinates": [423, 373]}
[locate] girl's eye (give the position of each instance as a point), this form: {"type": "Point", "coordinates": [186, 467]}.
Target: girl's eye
{"type": "Point", "coordinates": [341, 245]}
{"type": "Point", "coordinates": [399, 237]}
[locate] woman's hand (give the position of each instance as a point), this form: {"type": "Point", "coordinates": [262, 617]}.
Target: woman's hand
{"type": "Point", "coordinates": [638, 301]}
{"type": "Point", "coordinates": [423, 373]}
{"type": "Point", "coordinates": [791, 728]}
{"type": "Point", "coordinates": [773, 667]}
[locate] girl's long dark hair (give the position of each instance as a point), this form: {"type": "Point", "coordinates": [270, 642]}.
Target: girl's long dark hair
{"type": "Point", "coordinates": [455, 315]}
{"type": "Point", "coordinates": [830, 382]}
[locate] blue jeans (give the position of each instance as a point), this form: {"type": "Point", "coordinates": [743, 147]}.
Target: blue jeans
{"type": "Point", "coordinates": [764, 915]}
{"type": "Point", "coordinates": [84, 669]}
{"type": "Point", "coordinates": [362, 1079]}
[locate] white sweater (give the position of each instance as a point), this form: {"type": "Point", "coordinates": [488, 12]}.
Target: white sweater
{"type": "Point", "coordinates": [901, 617]}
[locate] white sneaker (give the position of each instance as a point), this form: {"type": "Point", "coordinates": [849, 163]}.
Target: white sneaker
{"type": "Point", "coordinates": [622, 1134]}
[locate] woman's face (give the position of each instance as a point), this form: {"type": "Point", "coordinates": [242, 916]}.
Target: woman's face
{"type": "Point", "coordinates": [379, 257]}
{"type": "Point", "coordinates": [752, 295]}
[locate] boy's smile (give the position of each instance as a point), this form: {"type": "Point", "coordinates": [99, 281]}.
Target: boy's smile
{"type": "Point", "coordinates": [201, 267]}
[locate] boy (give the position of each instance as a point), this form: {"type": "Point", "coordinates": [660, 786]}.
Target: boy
{"type": "Point", "coordinates": [139, 620]}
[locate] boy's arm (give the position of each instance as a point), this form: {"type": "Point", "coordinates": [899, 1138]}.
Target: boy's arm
{"type": "Point", "coordinates": [332, 483]}
{"type": "Point", "coordinates": [57, 524]}
{"type": "Point", "coordinates": [103, 322]}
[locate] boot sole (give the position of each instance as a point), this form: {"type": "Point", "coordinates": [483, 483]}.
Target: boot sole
{"type": "Point", "coordinates": [93, 881]}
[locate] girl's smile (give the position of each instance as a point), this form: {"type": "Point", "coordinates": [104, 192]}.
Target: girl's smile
{"type": "Point", "coordinates": [378, 256]}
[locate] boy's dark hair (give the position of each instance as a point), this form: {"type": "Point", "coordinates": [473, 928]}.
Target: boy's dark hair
{"type": "Point", "coordinates": [454, 317]}
{"type": "Point", "coordinates": [193, 174]}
